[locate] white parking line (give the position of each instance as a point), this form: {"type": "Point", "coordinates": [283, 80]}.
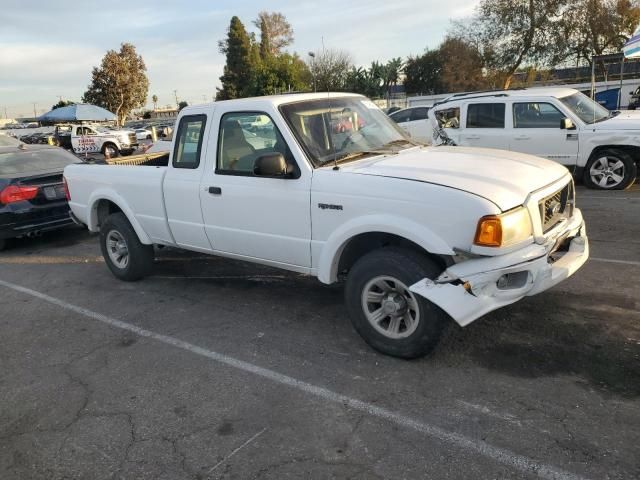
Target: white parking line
{"type": "Point", "coordinates": [610, 260]}
{"type": "Point", "coordinates": [506, 457]}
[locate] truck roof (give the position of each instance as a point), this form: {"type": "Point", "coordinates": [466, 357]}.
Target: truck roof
{"type": "Point", "coordinates": [276, 100]}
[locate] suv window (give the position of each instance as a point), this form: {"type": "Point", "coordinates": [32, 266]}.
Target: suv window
{"type": "Point", "coordinates": [243, 137]}
{"type": "Point", "coordinates": [189, 141]}
{"type": "Point", "coordinates": [485, 115]}
{"type": "Point", "coordinates": [401, 116]}
{"type": "Point", "coordinates": [419, 113]}
{"type": "Point", "coordinates": [448, 118]}
{"type": "Point", "coordinates": [536, 115]}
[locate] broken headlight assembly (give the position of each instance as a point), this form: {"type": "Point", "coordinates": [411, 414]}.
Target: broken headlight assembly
{"type": "Point", "coordinates": [504, 230]}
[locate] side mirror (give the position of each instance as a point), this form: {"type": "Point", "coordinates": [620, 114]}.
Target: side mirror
{"type": "Point", "coordinates": [567, 124]}
{"type": "Point", "coordinates": [271, 165]}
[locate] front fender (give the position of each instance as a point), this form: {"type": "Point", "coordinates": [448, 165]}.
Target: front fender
{"type": "Point", "coordinates": [111, 195]}
{"type": "Point", "coordinates": [402, 227]}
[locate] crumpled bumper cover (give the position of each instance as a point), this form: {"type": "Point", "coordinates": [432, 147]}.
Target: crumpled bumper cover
{"type": "Point", "coordinates": [473, 288]}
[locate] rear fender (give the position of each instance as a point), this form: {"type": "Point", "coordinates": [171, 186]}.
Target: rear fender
{"type": "Point", "coordinates": [105, 194]}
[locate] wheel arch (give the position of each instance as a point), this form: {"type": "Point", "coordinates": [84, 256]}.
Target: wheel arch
{"type": "Point", "coordinates": [104, 204]}
{"type": "Point", "coordinates": [347, 245]}
{"type": "Point", "coordinates": [632, 150]}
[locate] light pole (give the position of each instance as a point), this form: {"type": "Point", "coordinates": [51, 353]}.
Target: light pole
{"type": "Point", "coordinates": [313, 69]}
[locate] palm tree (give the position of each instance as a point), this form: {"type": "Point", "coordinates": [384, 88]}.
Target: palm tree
{"type": "Point", "coordinates": [154, 99]}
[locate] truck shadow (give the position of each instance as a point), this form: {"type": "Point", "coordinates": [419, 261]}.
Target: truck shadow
{"type": "Point", "coordinates": [592, 338]}
{"type": "Point", "coordinates": [586, 338]}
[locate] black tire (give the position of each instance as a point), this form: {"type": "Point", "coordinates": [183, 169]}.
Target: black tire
{"type": "Point", "coordinates": [113, 146]}
{"type": "Point", "coordinates": [140, 256]}
{"type": "Point", "coordinates": [3, 244]}
{"type": "Point", "coordinates": [628, 172]}
{"type": "Point", "coordinates": [407, 267]}
{"type": "Point", "coordinates": [149, 137]}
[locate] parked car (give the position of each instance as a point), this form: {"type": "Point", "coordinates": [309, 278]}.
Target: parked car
{"type": "Point", "coordinates": [421, 234]}
{"type": "Point", "coordinates": [561, 124]}
{"type": "Point", "coordinates": [32, 195]}
{"type": "Point", "coordinates": [96, 138]}
{"type": "Point", "coordinates": [143, 134]}
{"type": "Point", "coordinates": [634, 100]}
{"type": "Point", "coordinates": [415, 121]}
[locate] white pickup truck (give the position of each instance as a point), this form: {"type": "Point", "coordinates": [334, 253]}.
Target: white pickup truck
{"type": "Point", "coordinates": [96, 139]}
{"type": "Point", "coordinates": [421, 234]}
{"type": "Point", "coordinates": [600, 147]}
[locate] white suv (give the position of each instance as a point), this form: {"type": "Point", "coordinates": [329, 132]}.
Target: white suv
{"type": "Point", "coordinates": [561, 124]}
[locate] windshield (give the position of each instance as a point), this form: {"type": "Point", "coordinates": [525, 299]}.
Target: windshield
{"type": "Point", "coordinates": [332, 129]}
{"type": "Point", "coordinates": [585, 108]}
{"type": "Point", "coordinates": [7, 141]}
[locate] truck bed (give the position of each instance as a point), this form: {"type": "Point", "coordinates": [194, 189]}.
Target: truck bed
{"type": "Point", "coordinates": [133, 186]}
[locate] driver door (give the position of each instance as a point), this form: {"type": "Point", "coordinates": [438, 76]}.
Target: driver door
{"type": "Point", "coordinates": [250, 216]}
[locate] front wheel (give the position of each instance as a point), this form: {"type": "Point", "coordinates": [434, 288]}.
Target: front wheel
{"type": "Point", "coordinates": [127, 257]}
{"type": "Point", "coordinates": [610, 169]}
{"type": "Point", "coordinates": [391, 318]}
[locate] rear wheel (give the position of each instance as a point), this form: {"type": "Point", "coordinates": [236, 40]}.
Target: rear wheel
{"type": "Point", "coordinates": [127, 257]}
{"type": "Point", "coordinates": [610, 169]}
{"type": "Point", "coordinates": [391, 318]}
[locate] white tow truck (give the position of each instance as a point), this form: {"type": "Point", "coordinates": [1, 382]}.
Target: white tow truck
{"type": "Point", "coordinates": [96, 139]}
{"type": "Point", "coordinates": [421, 234]}
{"type": "Point", "coordinates": [600, 147]}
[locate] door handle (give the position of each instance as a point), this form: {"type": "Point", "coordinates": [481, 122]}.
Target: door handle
{"type": "Point", "coordinates": [472, 137]}
{"type": "Point", "coordinates": [522, 137]}
{"type": "Point", "coordinates": [215, 190]}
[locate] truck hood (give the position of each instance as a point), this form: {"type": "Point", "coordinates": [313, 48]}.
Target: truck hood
{"type": "Point", "coordinates": [502, 177]}
{"type": "Point", "coordinates": [629, 120]}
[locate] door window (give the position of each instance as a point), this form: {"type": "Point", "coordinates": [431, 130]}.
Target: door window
{"type": "Point", "coordinates": [245, 136]}
{"type": "Point", "coordinates": [419, 113]}
{"type": "Point", "coordinates": [536, 115]}
{"type": "Point", "coordinates": [189, 141]}
{"type": "Point", "coordinates": [485, 115]}
{"type": "Point", "coordinates": [401, 116]}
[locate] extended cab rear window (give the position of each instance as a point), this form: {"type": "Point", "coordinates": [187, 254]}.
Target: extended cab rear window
{"type": "Point", "coordinates": [485, 115]}
{"type": "Point", "coordinates": [189, 141]}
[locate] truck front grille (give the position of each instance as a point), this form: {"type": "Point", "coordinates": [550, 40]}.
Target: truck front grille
{"type": "Point", "coordinates": [557, 207]}
{"type": "Point", "coordinates": [132, 138]}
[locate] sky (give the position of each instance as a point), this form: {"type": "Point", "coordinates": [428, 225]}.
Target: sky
{"type": "Point", "coordinates": [48, 49]}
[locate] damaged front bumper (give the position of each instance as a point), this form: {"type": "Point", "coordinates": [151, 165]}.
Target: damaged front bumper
{"type": "Point", "coordinates": [475, 287]}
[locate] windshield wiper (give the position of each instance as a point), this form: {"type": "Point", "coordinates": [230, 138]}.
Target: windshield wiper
{"type": "Point", "coordinates": [401, 140]}
{"type": "Point", "coordinates": [349, 156]}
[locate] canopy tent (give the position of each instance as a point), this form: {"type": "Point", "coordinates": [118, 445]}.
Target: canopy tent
{"type": "Point", "coordinates": [631, 48]}
{"type": "Point", "coordinates": [78, 113]}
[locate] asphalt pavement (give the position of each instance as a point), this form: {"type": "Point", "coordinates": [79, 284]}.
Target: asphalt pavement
{"type": "Point", "coordinates": [213, 369]}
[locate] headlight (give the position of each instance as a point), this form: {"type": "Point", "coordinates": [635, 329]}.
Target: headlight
{"type": "Point", "coordinates": [505, 229]}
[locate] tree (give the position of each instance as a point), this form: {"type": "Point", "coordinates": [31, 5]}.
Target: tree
{"type": "Point", "coordinates": [597, 27]}
{"type": "Point", "coordinates": [461, 67]}
{"type": "Point", "coordinates": [330, 69]}
{"type": "Point", "coordinates": [282, 73]}
{"type": "Point", "coordinates": [62, 103]}
{"type": "Point", "coordinates": [154, 99]}
{"type": "Point", "coordinates": [423, 73]}
{"type": "Point", "coordinates": [238, 77]}
{"type": "Point", "coordinates": [120, 84]}
{"type": "Point", "coordinates": [182, 104]}
{"type": "Point", "coordinates": [391, 74]}
{"type": "Point", "coordinates": [509, 33]}
{"type": "Point", "coordinates": [275, 32]}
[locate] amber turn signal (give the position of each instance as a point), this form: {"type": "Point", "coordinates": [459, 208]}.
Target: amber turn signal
{"type": "Point", "coordinates": [489, 232]}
